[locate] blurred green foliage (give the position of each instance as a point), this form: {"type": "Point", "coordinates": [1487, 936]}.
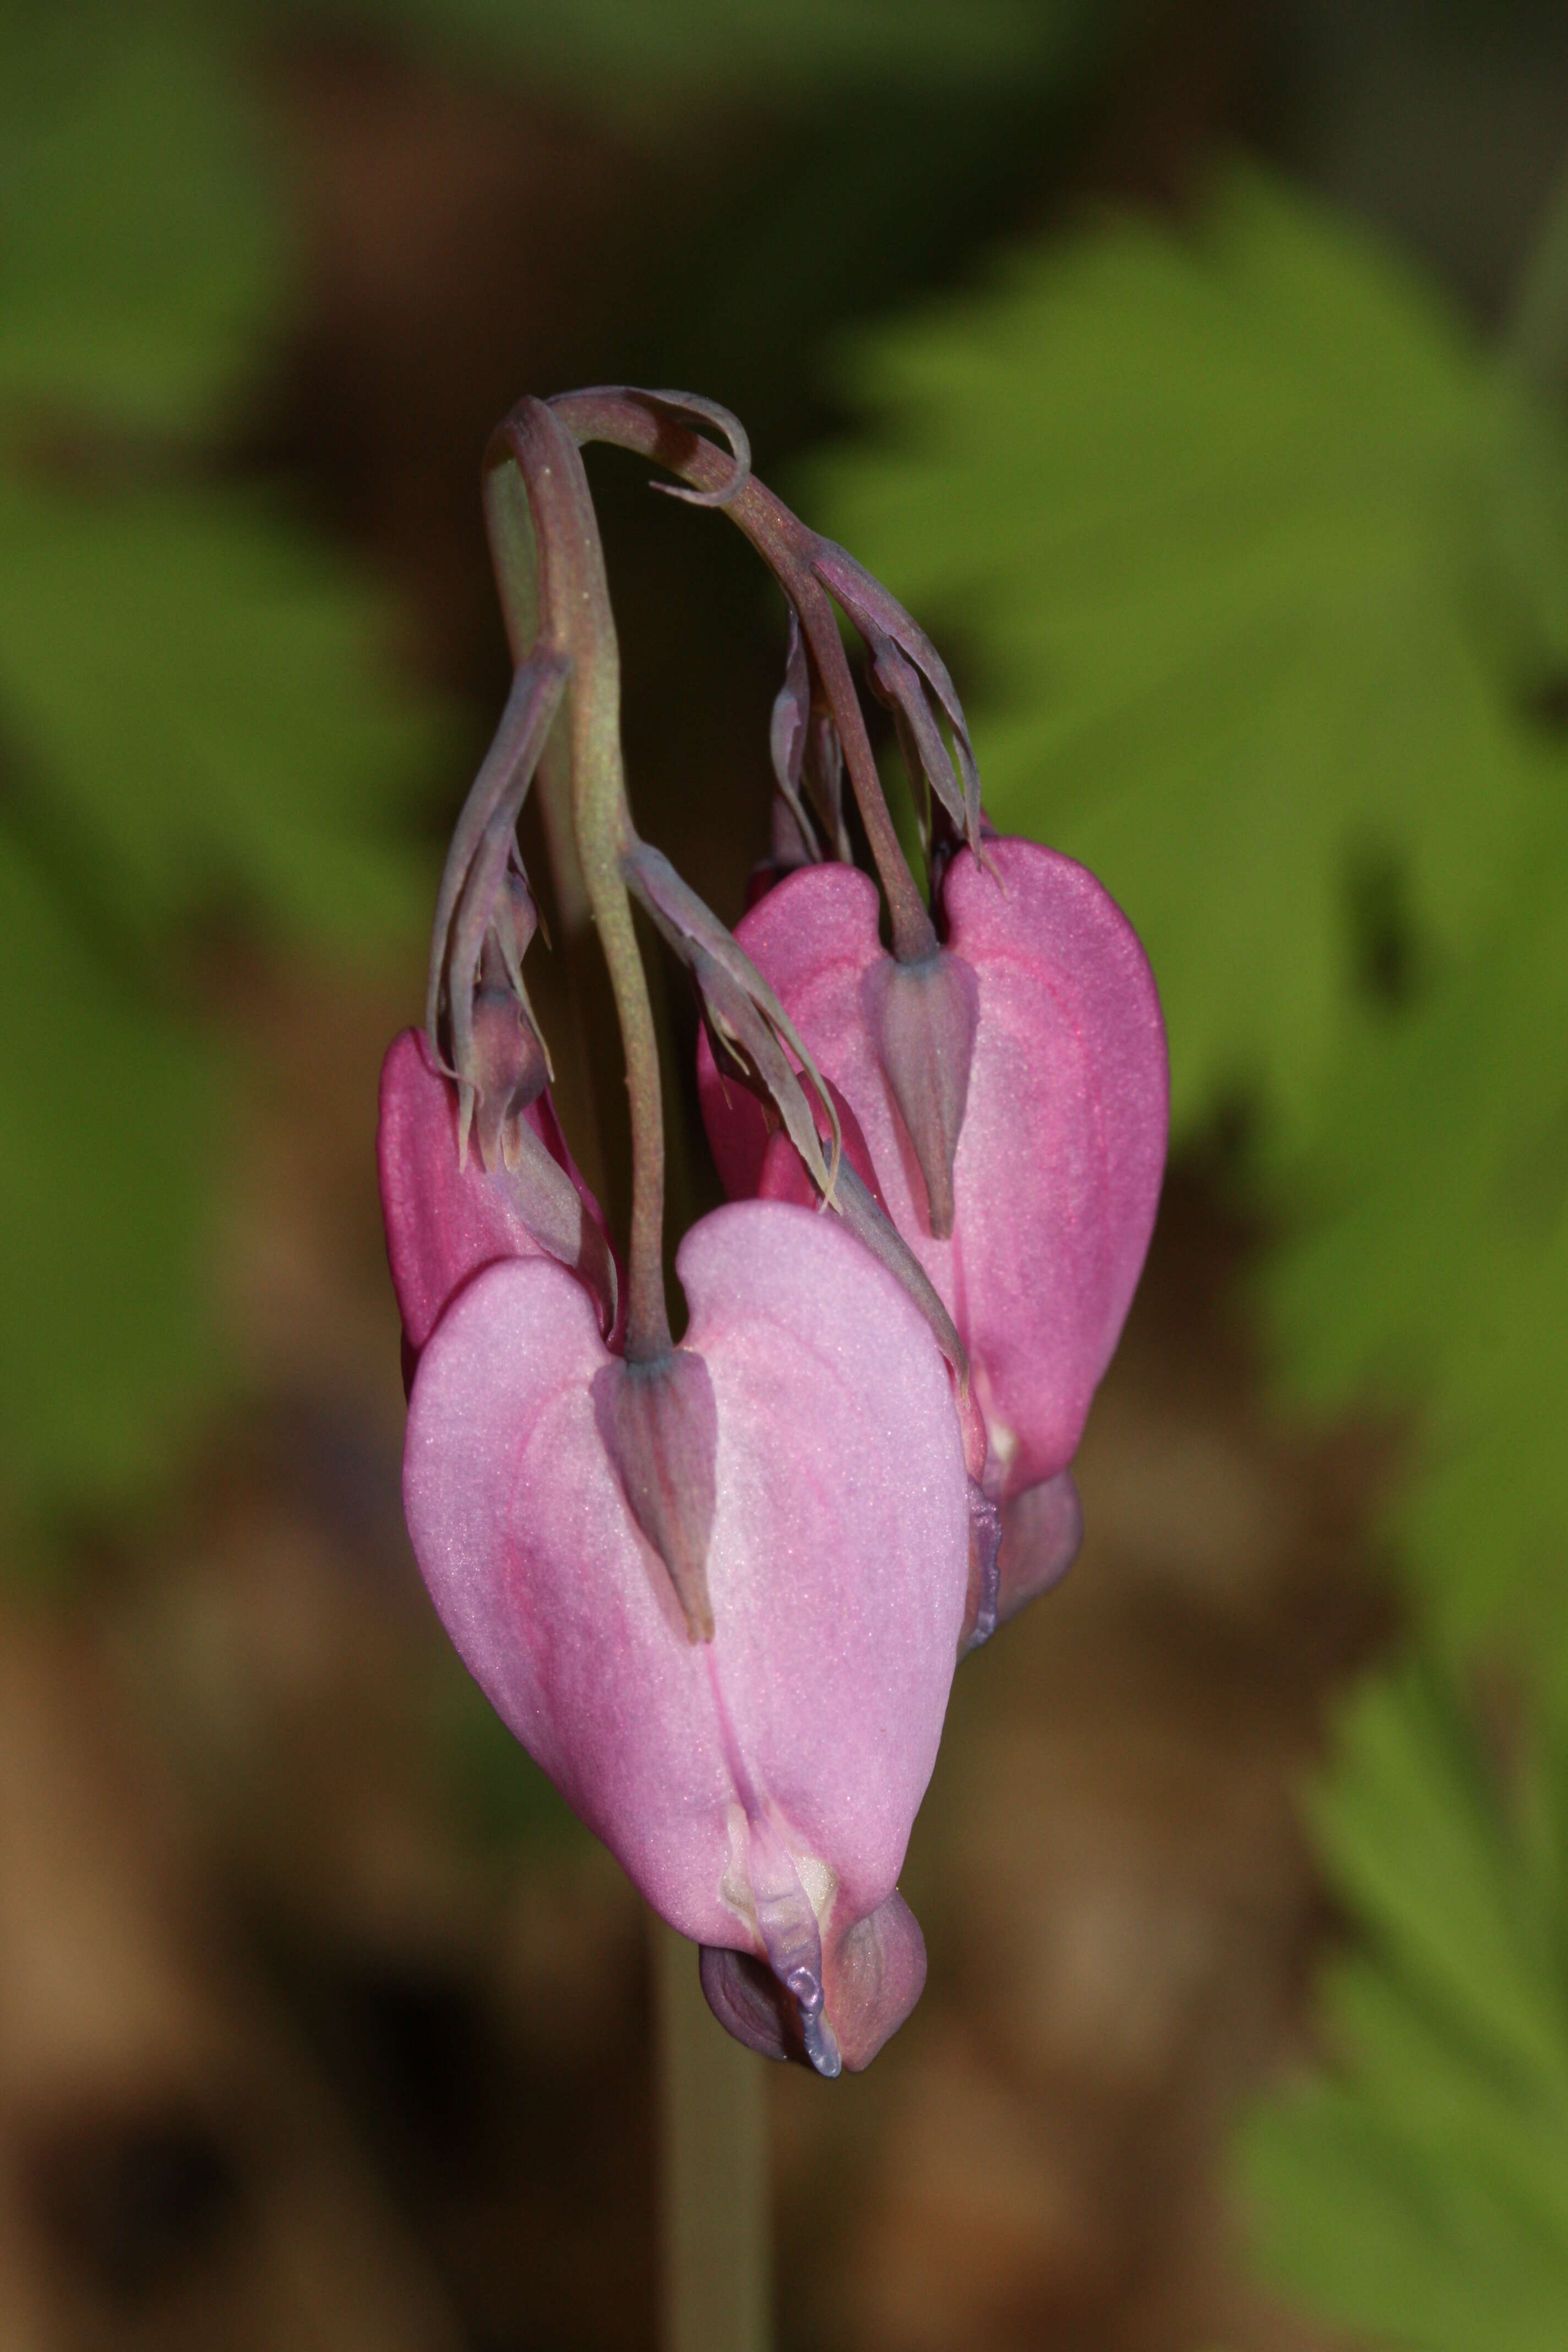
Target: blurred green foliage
{"type": "Point", "coordinates": [197, 682]}
{"type": "Point", "coordinates": [632, 55]}
{"type": "Point", "coordinates": [112, 1126]}
{"type": "Point", "coordinates": [195, 721]}
{"type": "Point", "coordinates": [1436, 1264]}
{"type": "Point", "coordinates": [1259, 559]}
{"type": "Point", "coordinates": [1418, 2193]}
{"type": "Point", "coordinates": [197, 724]}
{"type": "Point", "coordinates": [144, 247]}
{"type": "Point", "coordinates": [1218, 516]}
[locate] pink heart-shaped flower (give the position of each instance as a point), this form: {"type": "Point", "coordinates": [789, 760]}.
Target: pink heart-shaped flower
{"type": "Point", "coordinates": [1061, 1116]}
{"type": "Point", "coordinates": [759, 1787]}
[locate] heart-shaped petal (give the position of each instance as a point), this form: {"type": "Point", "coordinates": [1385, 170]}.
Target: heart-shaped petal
{"type": "Point", "coordinates": [1057, 1168]}
{"type": "Point", "coordinates": [791, 1750]}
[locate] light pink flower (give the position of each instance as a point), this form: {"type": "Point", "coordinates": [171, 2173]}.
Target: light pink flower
{"type": "Point", "coordinates": [1034, 1039]}
{"type": "Point", "coordinates": [759, 1787]}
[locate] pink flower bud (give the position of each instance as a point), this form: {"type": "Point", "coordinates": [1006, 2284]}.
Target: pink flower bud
{"type": "Point", "coordinates": [758, 1786]}
{"type": "Point", "coordinates": [1060, 1147]}
{"type": "Point", "coordinates": [446, 1215]}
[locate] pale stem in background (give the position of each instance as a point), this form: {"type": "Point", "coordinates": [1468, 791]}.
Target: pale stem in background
{"type": "Point", "coordinates": [715, 2223]}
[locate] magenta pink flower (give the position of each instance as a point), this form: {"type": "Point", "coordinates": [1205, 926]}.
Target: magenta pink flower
{"type": "Point", "coordinates": [448, 1215]}
{"type": "Point", "coordinates": [1012, 1090]}
{"type": "Point", "coordinates": [758, 1786]}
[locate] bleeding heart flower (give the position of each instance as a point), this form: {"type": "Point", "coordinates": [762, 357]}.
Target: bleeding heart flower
{"type": "Point", "coordinates": [758, 1786]}
{"type": "Point", "coordinates": [448, 1215]}
{"type": "Point", "coordinates": [718, 1589]}
{"type": "Point", "coordinates": [1012, 1091]}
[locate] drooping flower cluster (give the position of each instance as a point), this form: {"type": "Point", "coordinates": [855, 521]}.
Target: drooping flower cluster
{"type": "Point", "coordinates": [718, 1588]}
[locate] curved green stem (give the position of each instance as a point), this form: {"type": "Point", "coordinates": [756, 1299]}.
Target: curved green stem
{"type": "Point", "coordinates": [549, 570]}
{"type": "Point", "coordinates": [787, 546]}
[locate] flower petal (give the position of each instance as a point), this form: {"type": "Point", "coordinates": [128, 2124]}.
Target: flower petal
{"type": "Point", "coordinates": [446, 1219]}
{"type": "Point", "coordinates": [1058, 1160]}
{"type": "Point", "coordinates": [766, 1780]}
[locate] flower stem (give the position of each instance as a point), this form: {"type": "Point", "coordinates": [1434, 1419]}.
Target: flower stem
{"type": "Point", "coordinates": [550, 568]}
{"type": "Point", "coordinates": [714, 2222]}
{"type": "Point", "coordinates": [787, 547]}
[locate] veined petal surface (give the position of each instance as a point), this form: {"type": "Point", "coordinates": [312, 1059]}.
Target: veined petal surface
{"type": "Point", "coordinates": [1057, 1174]}
{"type": "Point", "coordinates": [837, 1568]}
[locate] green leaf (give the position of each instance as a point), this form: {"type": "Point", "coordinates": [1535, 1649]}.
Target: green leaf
{"type": "Point", "coordinates": [107, 1153]}
{"type": "Point", "coordinates": [1419, 2192]}
{"type": "Point", "coordinates": [201, 706]}
{"type": "Point", "coordinates": [192, 724]}
{"type": "Point", "coordinates": [1435, 1265]}
{"type": "Point", "coordinates": [1257, 559]}
{"type": "Point", "coordinates": [197, 717]}
{"type": "Point", "coordinates": [1218, 519]}
{"type": "Point", "coordinates": [1487, 1526]}
{"type": "Point", "coordinates": [1413, 1833]}
{"type": "Point", "coordinates": [140, 247]}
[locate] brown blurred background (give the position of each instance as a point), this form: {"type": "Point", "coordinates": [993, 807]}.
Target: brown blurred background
{"type": "Point", "coordinates": [320, 2024]}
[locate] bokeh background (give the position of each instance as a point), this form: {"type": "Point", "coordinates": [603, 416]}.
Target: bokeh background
{"type": "Point", "coordinates": [1196, 373]}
